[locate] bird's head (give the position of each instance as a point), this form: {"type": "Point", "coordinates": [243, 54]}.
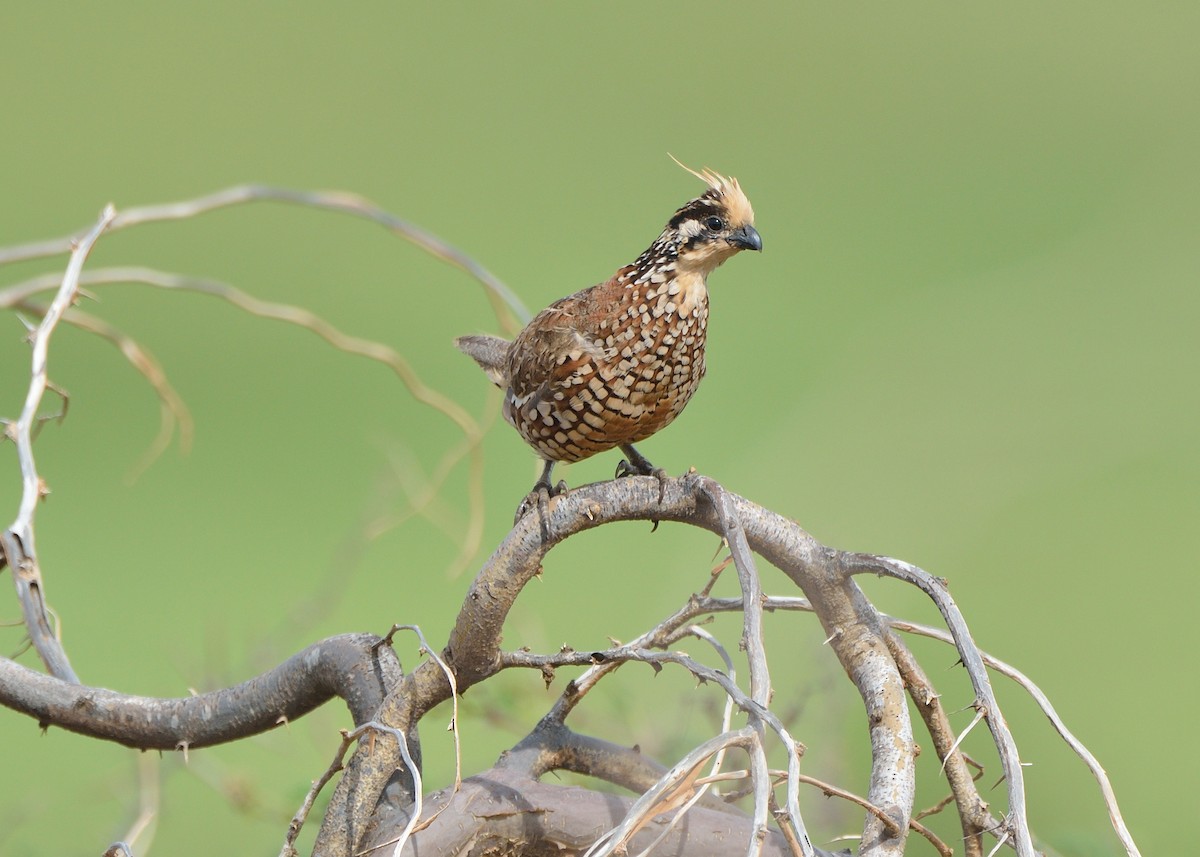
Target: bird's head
{"type": "Point", "coordinates": [714, 226]}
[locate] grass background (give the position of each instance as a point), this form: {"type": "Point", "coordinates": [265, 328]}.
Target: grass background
{"type": "Point", "coordinates": [970, 342]}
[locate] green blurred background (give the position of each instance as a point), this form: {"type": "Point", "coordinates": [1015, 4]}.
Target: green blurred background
{"type": "Point", "coordinates": [971, 342]}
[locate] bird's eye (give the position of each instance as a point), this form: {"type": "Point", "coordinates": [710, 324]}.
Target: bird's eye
{"type": "Point", "coordinates": [714, 223]}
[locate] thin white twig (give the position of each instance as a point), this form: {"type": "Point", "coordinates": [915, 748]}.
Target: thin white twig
{"type": "Point", "coordinates": [962, 736]}
{"type": "Point", "coordinates": [650, 802]}
{"type": "Point", "coordinates": [1043, 701]}
{"type": "Point", "coordinates": [449, 674]}
{"type": "Point", "coordinates": [718, 758]}
{"type": "Point", "coordinates": [1000, 844]}
{"type": "Point", "coordinates": [418, 786]}
{"type": "Point", "coordinates": [1005, 669]}
{"type": "Point", "coordinates": [32, 487]}
{"type": "Point", "coordinates": [301, 317]}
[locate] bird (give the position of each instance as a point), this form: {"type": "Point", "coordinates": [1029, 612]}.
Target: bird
{"type": "Point", "coordinates": [613, 364]}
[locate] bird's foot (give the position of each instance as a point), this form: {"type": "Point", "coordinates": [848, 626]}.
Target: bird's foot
{"type": "Point", "coordinates": [636, 464]}
{"type": "Point", "coordinates": [539, 498]}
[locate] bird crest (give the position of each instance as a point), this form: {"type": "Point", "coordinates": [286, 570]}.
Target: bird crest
{"type": "Point", "coordinates": [727, 190]}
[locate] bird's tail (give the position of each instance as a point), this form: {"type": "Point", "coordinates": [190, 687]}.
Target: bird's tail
{"type": "Point", "coordinates": [489, 352]}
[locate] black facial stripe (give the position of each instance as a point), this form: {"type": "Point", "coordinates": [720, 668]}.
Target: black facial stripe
{"type": "Point", "coordinates": [697, 209]}
{"type": "Point", "coordinates": [696, 240]}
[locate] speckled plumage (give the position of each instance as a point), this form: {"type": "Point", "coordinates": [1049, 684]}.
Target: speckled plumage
{"type": "Point", "coordinates": [611, 365]}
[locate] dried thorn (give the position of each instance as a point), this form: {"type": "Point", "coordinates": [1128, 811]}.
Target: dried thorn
{"type": "Point", "coordinates": [724, 545]}
{"type": "Point", "coordinates": [182, 746]}
{"type": "Point", "coordinates": [1000, 844]}
{"type": "Point", "coordinates": [979, 715]}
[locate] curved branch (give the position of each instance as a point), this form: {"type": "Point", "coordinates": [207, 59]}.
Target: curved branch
{"type": "Point", "coordinates": [504, 811]}
{"type": "Point", "coordinates": [351, 666]}
{"type": "Point", "coordinates": [473, 651]}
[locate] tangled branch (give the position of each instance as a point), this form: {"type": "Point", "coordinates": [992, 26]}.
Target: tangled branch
{"type": "Point", "coordinates": [378, 802]}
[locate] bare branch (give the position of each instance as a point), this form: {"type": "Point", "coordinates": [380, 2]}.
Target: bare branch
{"type": "Point", "coordinates": [308, 320]}
{"type": "Point", "coordinates": [972, 807]}
{"type": "Point", "coordinates": [1043, 701]}
{"type": "Point", "coordinates": [504, 301]}
{"type": "Point", "coordinates": [505, 810]}
{"type": "Point", "coordinates": [752, 631]}
{"type": "Point", "coordinates": [351, 666]}
{"type": "Point", "coordinates": [173, 411]}
{"type": "Point", "coordinates": [17, 541]}
{"type": "Point", "coordinates": [310, 797]}
{"type": "Point", "coordinates": [427, 649]}
{"type": "Point", "coordinates": [657, 799]}
{"type": "Point", "coordinates": [833, 791]}
{"type": "Point", "coordinates": [381, 791]}
{"type": "Point", "coordinates": [473, 650]}
{"type": "Point", "coordinates": [985, 699]}
{"type": "Point", "coordinates": [972, 810]}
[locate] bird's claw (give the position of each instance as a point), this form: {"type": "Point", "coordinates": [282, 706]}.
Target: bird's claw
{"type": "Point", "coordinates": [539, 498]}
{"type": "Point", "coordinates": [625, 468]}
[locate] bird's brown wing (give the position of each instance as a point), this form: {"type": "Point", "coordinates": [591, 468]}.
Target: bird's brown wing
{"type": "Point", "coordinates": [556, 351]}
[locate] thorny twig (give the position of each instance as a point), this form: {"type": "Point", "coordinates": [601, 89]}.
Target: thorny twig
{"type": "Point", "coordinates": [310, 797]}
{"type": "Point", "coordinates": [510, 312]}
{"type": "Point", "coordinates": [699, 607]}
{"type": "Point", "coordinates": [300, 317]}
{"type": "Point", "coordinates": [743, 526]}
{"type": "Point", "coordinates": [17, 542]}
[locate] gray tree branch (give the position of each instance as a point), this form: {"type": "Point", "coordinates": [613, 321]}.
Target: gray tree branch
{"type": "Point", "coordinates": [353, 667]}
{"type": "Point", "coordinates": [378, 802]}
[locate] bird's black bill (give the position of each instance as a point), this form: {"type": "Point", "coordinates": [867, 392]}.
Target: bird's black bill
{"type": "Point", "coordinates": [747, 238]}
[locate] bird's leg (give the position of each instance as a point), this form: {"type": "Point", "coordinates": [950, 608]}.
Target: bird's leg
{"type": "Point", "coordinates": [637, 464]}
{"type": "Point", "coordinates": [540, 496]}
